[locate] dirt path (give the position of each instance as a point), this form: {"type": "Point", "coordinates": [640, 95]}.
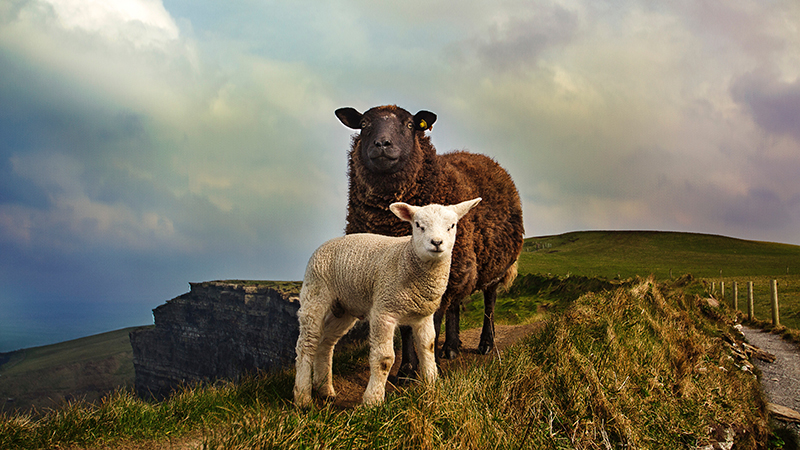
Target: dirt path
{"type": "Point", "coordinates": [780, 379]}
{"type": "Point", "coordinates": [350, 389]}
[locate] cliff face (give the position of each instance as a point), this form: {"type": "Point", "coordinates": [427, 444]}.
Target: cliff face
{"type": "Point", "coordinates": [218, 330]}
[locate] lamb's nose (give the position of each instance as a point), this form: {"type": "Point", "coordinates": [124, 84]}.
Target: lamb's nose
{"type": "Point", "coordinates": [436, 243]}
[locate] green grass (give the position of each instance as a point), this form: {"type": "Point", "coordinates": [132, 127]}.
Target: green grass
{"type": "Point", "coordinates": [640, 365]}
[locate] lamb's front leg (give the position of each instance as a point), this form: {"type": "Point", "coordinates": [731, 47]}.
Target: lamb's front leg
{"type": "Point", "coordinates": [425, 342]}
{"type": "Point", "coordinates": [381, 357]}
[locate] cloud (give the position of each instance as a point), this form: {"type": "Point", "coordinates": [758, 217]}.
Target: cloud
{"type": "Point", "coordinates": [143, 23]}
{"type": "Point", "coordinates": [773, 103]}
{"type": "Point", "coordinates": [71, 217]}
{"type": "Point", "coordinates": [517, 39]}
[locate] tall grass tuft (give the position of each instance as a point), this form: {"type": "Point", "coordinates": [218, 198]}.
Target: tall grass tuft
{"type": "Point", "coordinates": [634, 366]}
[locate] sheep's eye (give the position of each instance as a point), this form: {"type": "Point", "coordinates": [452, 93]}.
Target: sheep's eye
{"type": "Point", "coordinates": [410, 126]}
{"type": "Point", "coordinates": [363, 124]}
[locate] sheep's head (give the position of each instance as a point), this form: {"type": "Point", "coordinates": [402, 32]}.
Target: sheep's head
{"type": "Point", "coordinates": [433, 226]}
{"type": "Point", "coordinates": [387, 134]}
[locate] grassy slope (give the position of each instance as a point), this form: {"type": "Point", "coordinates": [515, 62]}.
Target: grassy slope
{"type": "Point", "coordinates": [712, 258]}
{"type": "Point", "coordinates": [85, 368]}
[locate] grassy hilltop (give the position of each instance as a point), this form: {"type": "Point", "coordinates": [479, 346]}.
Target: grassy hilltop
{"type": "Point", "coordinates": [711, 258]}
{"type": "Point", "coordinates": [629, 253]}
{"type": "Point", "coordinates": [619, 361]}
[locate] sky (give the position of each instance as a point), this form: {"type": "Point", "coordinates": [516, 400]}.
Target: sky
{"type": "Point", "coordinates": [147, 144]}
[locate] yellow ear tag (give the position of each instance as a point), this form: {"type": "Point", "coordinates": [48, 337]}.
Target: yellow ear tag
{"type": "Point", "coordinates": [423, 124]}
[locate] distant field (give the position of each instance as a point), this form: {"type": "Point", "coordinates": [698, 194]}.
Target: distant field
{"type": "Point", "coordinates": [625, 254]}
{"type": "Point", "coordinates": [82, 368]}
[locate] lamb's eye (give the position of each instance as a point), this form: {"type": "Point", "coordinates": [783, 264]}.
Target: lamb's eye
{"type": "Point", "coordinates": [419, 226]}
{"type": "Point", "coordinates": [452, 226]}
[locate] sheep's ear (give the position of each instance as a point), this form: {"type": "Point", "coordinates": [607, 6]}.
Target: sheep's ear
{"type": "Point", "coordinates": [424, 120]}
{"type": "Point", "coordinates": [463, 208]}
{"type": "Point", "coordinates": [403, 210]}
{"type": "Point", "coordinates": [349, 117]}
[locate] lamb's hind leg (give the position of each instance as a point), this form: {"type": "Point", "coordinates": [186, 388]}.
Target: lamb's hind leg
{"type": "Point", "coordinates": [311, 320]}
{"type": "Point", "coordinates": [335, 328]}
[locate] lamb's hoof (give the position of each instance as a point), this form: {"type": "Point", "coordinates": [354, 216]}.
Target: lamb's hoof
{"type": "Point", "coordinates": [485, 347]}
{"type": "Point", "coordinates": [327, 393]}
{"type": "Point", "coordinates": [450, 353]}
{"type": "Point", "coordinates": [302, 401]}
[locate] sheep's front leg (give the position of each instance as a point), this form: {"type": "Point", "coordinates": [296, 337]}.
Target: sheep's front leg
{"type": "Point", "coordinates": [381, 357]}
{"type": "Point", "coordinates": [335, 328]}
{"type": "Point", "coordinates": [452, 342]}
{"type": "Point", "coordinates": [409, 362]}
{"type": "Point", "coordinates": [425, 341]}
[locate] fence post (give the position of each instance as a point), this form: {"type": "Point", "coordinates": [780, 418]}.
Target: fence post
{"type": "Point", "coordinates": [773, 287]}
{"type": "Point", "coordinates": [735, 296]}
{"type": "Point", "coordinates": [722, 289]}
{"type": "Point", "coordinates": [750, 313]}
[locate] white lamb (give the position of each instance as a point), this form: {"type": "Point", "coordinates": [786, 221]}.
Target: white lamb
{"type": "Point", "coordinates": [389, 280]}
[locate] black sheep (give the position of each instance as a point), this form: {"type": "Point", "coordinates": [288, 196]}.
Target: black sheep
{"type": "Point", "coordinates": [393, 160]}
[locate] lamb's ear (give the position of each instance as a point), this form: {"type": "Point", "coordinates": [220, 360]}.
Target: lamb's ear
{"type": "Point", "coordinates": [462, 208]}
{"type": "Point", "coordinates": [403, 210]}
{"type": "Point", "coordinates": [424, 120]}
{"type": "Point", "coordinates": [349, 117]}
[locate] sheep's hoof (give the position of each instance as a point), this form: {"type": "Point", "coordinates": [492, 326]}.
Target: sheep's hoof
{"type": "Point", "coordinates": [450, 353]}
{"type": "Point", "coordinates": [485, 347]}
{"type": "Point", "coordinates": [405, 375]}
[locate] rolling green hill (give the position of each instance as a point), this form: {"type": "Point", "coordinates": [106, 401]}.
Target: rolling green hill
{"type": "Point", "coordinates": [629, 253]}
{"type": "Point", "coordinates": [84, 368]}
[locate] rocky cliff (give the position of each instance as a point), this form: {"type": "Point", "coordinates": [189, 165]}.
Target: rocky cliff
{"type": "Point", "coordinates": [218, 330]}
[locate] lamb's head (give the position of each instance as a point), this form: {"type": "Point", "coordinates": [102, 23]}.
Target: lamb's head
{"type": "Point", "coordinates": [433, 226]}
{"type": "Point", "coordinates": [387, 134]}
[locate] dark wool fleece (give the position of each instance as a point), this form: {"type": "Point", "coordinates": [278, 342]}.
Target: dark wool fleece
{"type": "Point", "coordinates": [489, 238]}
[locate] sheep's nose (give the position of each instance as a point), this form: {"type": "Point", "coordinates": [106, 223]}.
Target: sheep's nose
{"type": "Point", "coordinates": [436, 243]}
{"type": "Point", "coordinates": [382, 142]}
